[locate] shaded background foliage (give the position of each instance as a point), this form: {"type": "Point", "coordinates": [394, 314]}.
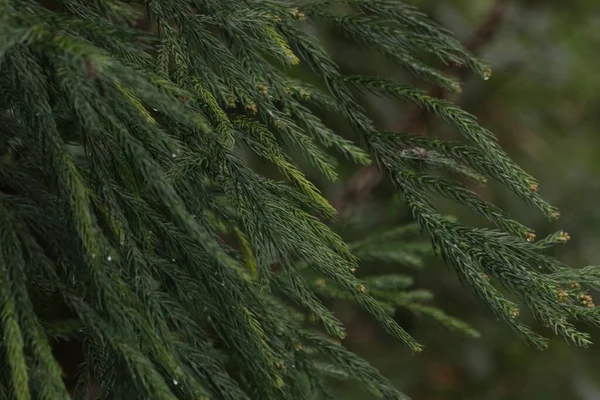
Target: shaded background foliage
{"type": "Point", "coordinates": [542, 103]}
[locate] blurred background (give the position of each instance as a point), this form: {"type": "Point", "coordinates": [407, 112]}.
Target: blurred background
{"type": "Point", "coordinates": [543, 103]}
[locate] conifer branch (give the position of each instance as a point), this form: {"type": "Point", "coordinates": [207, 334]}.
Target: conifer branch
{"type": "Point", "coordinates": [359, 186]}
{"type": "Point", "coordinates": [135, 223]}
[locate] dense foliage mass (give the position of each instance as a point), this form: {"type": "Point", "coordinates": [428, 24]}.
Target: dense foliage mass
{"type": "Point", "coordinates": [134, 228]}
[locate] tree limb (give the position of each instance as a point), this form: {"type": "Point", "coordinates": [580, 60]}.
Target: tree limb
{"type": "Point", "coordinates": [358, 188]}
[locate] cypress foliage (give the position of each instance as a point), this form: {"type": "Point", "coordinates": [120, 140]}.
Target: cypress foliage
{"type": "Point", "coordinates": [134, 229]}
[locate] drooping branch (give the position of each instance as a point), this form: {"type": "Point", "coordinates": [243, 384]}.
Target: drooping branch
{"type": "Point", "coordinates": [358, 188]}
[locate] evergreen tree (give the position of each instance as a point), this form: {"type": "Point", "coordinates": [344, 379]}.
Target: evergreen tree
{"type": "Point", "coordinates": [136, 233]}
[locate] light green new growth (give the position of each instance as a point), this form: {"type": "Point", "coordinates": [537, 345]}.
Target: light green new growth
{"type": "Point", "coordinates": [133, 222]}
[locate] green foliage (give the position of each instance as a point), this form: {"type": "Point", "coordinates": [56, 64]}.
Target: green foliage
{"type": "Point", "coordinates": [128, 201]}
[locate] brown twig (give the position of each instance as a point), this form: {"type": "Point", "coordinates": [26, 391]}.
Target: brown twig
{"type": "Point", "coordinates": [358, 188]}
{"type": "Point", "coordinates": [490, 27]}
